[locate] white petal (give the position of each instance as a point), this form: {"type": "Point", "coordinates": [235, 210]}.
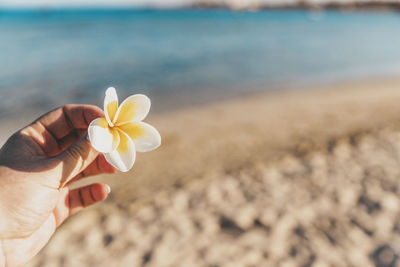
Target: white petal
{"type": "Point", "coordinates": [145, 136]}
{"type": "Point", "coordinates": [124, 156]}
{"type": "Point", "coordinates": [103, 138]}
{"type": "Point", "coordinates": [134, 108]}
{"type": "Point", "coordinates": [110, 105]}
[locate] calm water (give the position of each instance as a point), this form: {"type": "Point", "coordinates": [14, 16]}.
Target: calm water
{"type": "Point", "coordinates": [184, 56]}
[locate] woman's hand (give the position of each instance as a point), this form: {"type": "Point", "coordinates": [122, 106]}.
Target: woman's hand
{"type": "Point", "coordinates": [37, 164]}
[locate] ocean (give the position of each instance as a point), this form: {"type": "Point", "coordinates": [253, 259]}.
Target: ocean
{"type": "Point", "coordinates": [184, 57]}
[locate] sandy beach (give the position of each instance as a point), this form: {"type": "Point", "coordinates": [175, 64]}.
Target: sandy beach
{"type": "Point", "coordinates": [295, 178]}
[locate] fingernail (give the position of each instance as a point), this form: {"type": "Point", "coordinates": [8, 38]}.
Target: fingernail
{"type": "Point", "coordinates": [108, 189]}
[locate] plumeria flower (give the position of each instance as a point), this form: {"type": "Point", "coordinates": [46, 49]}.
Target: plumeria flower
{"type": "Point", "coordinates": [121, 133]}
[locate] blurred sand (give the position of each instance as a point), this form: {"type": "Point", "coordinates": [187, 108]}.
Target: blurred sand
{"type": "Point", "coordinates": [289, 179]}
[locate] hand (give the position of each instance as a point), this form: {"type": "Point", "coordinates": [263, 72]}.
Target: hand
{"type": "Point", "coordinates": [37, 164]}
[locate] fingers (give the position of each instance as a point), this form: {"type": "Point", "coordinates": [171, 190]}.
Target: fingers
{"type": "Point", "coordinates": [74, 160]}
{"type": "Point", "coordinates": [59, 134]}
{"type": "Point", "coordinates": [63, 120]}
{"type": "Point", "coordinates": [72, 201]}
{"type": "Point", "coordinates": [86, 196]}
{"type": "Point", "coordinates": [68, 140]}
{"type": "Point", "coordinates": [57, 129]}
{"type": "Point", "coordinates": [98, 166]}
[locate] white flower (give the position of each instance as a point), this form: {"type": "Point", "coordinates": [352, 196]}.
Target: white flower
{"type": "Point", "coordinates": [121, 133]}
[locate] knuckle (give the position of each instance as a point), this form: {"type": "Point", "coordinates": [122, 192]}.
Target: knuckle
{"type": "Point", "coordinates": [77, 153]}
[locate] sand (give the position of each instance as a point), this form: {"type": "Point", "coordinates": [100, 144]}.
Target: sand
{"type": "Point", "coordinates": [289, 179]}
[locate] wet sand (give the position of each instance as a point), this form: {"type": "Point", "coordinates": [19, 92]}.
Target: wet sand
{"type": "Point", "coordinates": [290, 179]}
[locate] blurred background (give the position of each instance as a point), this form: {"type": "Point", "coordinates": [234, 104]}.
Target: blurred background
{"type": "Point", "coordinates": [279, 118]}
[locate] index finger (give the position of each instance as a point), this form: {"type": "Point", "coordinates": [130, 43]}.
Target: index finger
{"type": "Point", "coordinates": [62, 125]}
{"type": "Point", "coordinates": [61, 121]}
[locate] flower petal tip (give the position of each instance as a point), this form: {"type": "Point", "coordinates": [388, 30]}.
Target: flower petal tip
{"type": "Point", "coordinates": [111, 91]}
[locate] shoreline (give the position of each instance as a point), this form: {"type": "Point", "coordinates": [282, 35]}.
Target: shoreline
{"type": "Point", "coordinates": [345, 7]}
{"type": "Point", "coordinates": [354, 6]}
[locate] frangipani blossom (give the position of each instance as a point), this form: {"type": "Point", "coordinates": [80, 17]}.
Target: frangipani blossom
{"type": "Point", "coordinates": [121, 133]}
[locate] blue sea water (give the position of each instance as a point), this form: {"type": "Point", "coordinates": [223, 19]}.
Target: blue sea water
{"type": "Point", "coordinates": [179, 57]}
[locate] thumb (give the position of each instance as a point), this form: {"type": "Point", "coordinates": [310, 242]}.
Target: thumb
{"type": "Point", "coordinates": [75, 159]}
